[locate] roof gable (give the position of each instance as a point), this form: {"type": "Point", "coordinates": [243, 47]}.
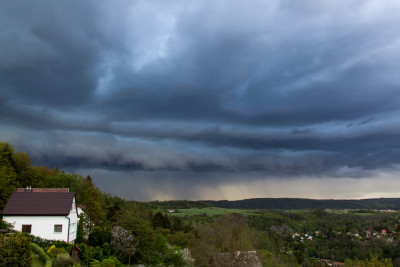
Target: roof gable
{"type": "Point", "coordinates": [39, 203]}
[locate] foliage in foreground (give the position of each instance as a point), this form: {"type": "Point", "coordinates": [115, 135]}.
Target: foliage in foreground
{"type": "Point", "coordinates": [15, 250]}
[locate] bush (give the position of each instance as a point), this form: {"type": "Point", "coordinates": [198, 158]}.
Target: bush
{"type": "Point", "coordinates": [15, 250]}
{"type": "Point", "coordinates": [107, 263]}
{"type": "Point", "coordinates": [94, 263]}
{"type": "Point", "coordinates": [63, 260]}
{"type": "Point", "coordinates": [87, 254]}
{"type": "Point", "coordinates": [53, 251]}
{"type": "Point", "coordinates": [42, 255]}
{"type": "Point", "coordinates": [116, 261]}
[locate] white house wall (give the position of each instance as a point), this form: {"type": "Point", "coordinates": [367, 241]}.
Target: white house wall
{"type": "Point", "coordinates": [42, 226]}
{"type": "Point", "coordinates": [73, 220]}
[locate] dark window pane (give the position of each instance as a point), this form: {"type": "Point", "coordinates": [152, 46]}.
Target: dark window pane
{"type": "Point", "coordinates": [57, 228]}
{"type": "Point", "coordinates": [26, 228]}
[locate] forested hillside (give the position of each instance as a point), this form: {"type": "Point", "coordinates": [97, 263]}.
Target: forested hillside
{"type": "Point", "coordinates": [301, 203]}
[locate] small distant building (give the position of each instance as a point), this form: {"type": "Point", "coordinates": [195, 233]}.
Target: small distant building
{"type": "Point", "coordinates": [49, 213]}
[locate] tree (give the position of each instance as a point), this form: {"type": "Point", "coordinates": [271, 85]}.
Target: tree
{"type": "Point", "coordinates": [161, 221]}
{"type": "Point", "coordinates": [64, 180]}
{"type": "Point", "coordinates": [8, 176]}
{"type": "Point", "coordinates": [123, 242]}
{"type": "Point", "coordinates": [230, 234]}
{"type": "Point", "coordinates": [22, 167]}
{"type": "Point", "coordinates": [132, 218]}
{"type": "Point", "coordinates": [99, 236]}
{"type": "Point", "coordinates": [93, 202]}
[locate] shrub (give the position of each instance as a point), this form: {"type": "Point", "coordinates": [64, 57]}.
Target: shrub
{"type": "Point", "coordinates": [94, 263]}
{"type": "Point", "coordinates": [53, 251]}
{"type": "Point", "coordinates": [116, 261]}
{"type": "Point", "coordinates": [107, 263]}
{"type": "Point", "coordinates": [63, 260]}
{"type": "Point", "coordinates": [15, 250]}
{"type": "Point", "coordinates": [87, 253]}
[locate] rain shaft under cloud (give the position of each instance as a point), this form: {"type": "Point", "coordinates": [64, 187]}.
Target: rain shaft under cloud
{"type": "Point", "coordinates": [203, 92]}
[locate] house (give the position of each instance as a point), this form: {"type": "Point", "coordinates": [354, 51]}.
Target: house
{"type": "Point", "coordinates": [49, 213]}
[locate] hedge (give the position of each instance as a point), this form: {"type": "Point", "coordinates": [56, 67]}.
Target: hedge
{"type": "Point", "coordinates": [42, 255]}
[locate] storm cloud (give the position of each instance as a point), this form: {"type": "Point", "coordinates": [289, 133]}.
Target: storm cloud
{"type": "Point", "coordinates": [203, 92]}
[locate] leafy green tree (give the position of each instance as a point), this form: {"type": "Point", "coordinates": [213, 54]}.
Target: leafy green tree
{"type": "Point", "coordinates": [161, 221]}
{"type": "Point", "coordinates": [93, 202]}
{"type": "Point", "coordinates": [23, 169]}
{"type": "Point", "coordinates": [40, 174]}
{"type": "Point", "coordinates": [8, 176]}
{"type": "Point", "coordinates": [134, 219]}
{"type": "Point", "coordinates": [123, 242]}
{"type": "Point", "coordinates": [165, 254]}
{"type": "Point", "coordinates": [64, 180]}
{"type": "Point", "coordinates": [113, 205]}
{"type": "Point", "coordinates": [229, 234]}
{"type": "Point", "coordinates": [87, 254]}
{"type": "Point", "coordinates": [99, 236]}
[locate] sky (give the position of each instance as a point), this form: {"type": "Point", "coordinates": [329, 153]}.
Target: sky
{"type": "Point", "coordinates": [190, 99]}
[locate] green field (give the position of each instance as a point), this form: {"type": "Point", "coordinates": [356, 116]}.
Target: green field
{"type": "Point", "coordinates": [211, 211]}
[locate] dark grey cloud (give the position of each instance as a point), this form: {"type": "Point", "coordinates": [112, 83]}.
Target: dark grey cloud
{"type": "Point", "coordinates": [281, 88]}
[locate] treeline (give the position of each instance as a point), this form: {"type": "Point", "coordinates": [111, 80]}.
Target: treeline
{"type": "Point", "coordinates": [301, 203]}
{"type": "Point", "coordinates": [178, 204]}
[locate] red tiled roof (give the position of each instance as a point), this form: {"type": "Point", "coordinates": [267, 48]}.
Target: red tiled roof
{"type": "Point", "coordinates": [39, 203]}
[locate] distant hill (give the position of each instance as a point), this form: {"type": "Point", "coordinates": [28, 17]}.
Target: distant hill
{"type": "Point", "coordinates": [178, 204]}
{"type": "Point", "coordinates": [302, 203]}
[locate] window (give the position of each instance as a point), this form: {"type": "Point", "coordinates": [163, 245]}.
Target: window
{"type": "Point", "coordinates": [58, 228]}
{"type": "Point", "coordinates": [26, 228]}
